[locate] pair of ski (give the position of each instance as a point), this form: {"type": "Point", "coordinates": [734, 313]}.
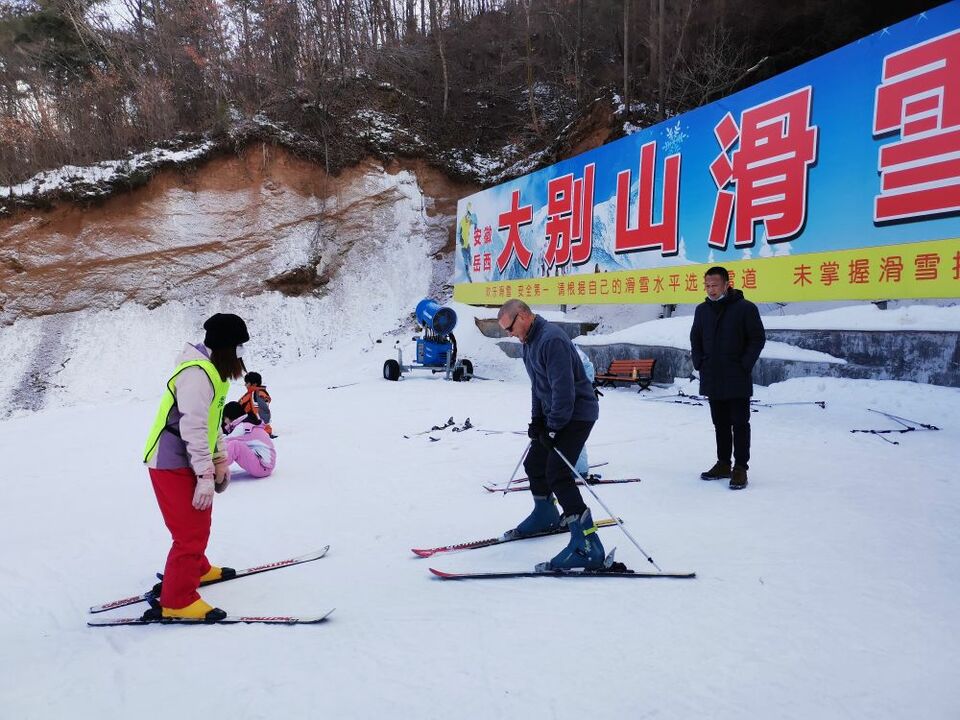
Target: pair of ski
{"type": "Point", "coordinates": [150, 596]}
{"type": "Point", "coordinates": [473, 545]}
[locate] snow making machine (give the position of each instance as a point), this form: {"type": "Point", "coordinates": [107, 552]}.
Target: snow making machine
{"type": "Point", "coordinates": [436, 348]}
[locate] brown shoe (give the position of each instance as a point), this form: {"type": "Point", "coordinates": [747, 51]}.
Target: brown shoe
{"type": "Point", "coordinates": [738, 481]}
{"type": "Point", "coordinates": [720, 471]}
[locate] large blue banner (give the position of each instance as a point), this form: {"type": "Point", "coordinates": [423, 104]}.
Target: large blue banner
{"type": "Point", "coordinates": [857, 149]}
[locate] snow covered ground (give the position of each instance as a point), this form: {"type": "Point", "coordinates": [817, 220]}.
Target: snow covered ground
{"type": "Point", "coordinates": [826, 589]}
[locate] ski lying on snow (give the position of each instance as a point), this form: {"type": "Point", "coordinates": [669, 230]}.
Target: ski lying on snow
{"type": "Point", "coordinates": [428, 552]}
{"type": "Point", "coordinates": [599, 481]}
{"type": "Point", "coordinates": [229, 620]}
{"type": "Point", "coordinates": [143, 597]}
{"type": "Point", "coordinates": [557, 574]}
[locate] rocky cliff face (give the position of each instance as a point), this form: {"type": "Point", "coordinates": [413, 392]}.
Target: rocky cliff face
{"type": "Point", "coordinates": [235, 225]}
{"type": "Point", "coordinates": [120, 283]}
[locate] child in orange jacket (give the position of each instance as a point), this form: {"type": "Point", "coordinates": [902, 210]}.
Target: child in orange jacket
{"type": "Point", "coordinates": [256, 401]}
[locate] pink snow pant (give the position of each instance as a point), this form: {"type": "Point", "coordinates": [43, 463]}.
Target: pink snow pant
{"type": "Point", "coordinates": [238, 452]}
{"type": "Point", "coordinates": [187, 560]}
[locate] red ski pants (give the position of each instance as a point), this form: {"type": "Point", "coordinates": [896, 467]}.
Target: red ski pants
{"type": "Point", "coordinates": [187, 561]}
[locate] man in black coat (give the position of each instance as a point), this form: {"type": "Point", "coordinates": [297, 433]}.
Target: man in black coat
{"type": "Point", "coordinates": [725, 340]}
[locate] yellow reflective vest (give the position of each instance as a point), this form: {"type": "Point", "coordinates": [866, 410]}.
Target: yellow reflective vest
{"type": "Point", "coordinates": [220, 389]}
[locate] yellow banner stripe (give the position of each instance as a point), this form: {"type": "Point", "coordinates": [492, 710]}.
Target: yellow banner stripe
{"type": "Point", "coordinates": [913, 270]}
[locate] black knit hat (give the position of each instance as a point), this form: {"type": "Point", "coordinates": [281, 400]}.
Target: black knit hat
{"type": "Point", "coordinates": [225, 330]}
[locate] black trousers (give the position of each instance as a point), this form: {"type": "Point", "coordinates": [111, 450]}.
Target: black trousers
{"type": "Point", "coordinates": [731, 421]}
{"type": "Point", "coordinates": [549, 474]}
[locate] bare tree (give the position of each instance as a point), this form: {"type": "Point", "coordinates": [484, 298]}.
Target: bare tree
{"type": "Point", "coordinates": [435, 18]}
{"type": "Point", "coordinates": [626, 56]}
{"type": "Point", "coordinates": [531, 96]}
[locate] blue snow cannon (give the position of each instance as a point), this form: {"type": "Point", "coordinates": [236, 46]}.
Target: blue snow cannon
{"type": "Point", "coordinates": [436, 348]}
{"type": "Point", "coordinates": [431, 314]}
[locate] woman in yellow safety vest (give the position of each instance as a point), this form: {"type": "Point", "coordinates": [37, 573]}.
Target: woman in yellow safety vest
{"type": "Point", "coordinates": [186, 457]}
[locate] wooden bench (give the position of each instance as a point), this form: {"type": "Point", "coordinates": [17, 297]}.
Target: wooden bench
{"type": "Point", "coordinates": [638, 371]}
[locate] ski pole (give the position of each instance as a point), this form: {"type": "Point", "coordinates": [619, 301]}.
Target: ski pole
{"type": "Point", "coordinates": [821, 403]}
{"type": "Point", "coordinates": [608, 510]}
{"type": "Point", "coordinates": [903, 421]}
{"type": "Point", "coordinates": [519, 463]}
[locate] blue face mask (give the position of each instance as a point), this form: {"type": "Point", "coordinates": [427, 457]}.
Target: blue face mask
{"type": "Point", "coordinates": [239, 351]}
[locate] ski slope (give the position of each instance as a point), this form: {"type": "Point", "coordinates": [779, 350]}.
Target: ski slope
{"type": "Point", "coordinates": [827, 589]}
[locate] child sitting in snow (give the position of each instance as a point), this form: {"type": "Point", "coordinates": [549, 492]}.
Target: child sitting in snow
{"type": "Point", "coordinates": [248, 443]}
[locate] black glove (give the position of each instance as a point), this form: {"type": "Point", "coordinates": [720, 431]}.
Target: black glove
{"type": "Point", "coordinates": [548, 438]}
{"type": "Point", "coordinates": [535, 427]}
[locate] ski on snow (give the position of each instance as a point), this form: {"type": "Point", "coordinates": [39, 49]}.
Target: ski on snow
{"type": "Point", "coordinates": [589, 467]}
{"type": "Point", "coordinates": [526, 479]}
{"type": "Point", "coordinates": [557, 574]}
{"type": "Point", "coordinates": [594, 481]}
{"type": "Point", "coordinates": [229, 620]}
{"type": "Point", "coordinates": [144, 597]}
{"type": "Point", "coordinates": [473, 545]}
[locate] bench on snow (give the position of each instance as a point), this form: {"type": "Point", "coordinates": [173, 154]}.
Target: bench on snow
{"type": "Point", "coordinates": [638, 371]}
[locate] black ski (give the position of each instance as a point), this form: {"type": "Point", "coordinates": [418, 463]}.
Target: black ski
{"type": "Point", "coordinates": [144, 597]}
{"type": "Point", "coordinates": [229, 620]}
{"type": "Point", "coordinates": [449, 423]}
{"type": "Point", "coordinates": [558, 574]}
{"type": "Point", "coordinates": [474, 544]}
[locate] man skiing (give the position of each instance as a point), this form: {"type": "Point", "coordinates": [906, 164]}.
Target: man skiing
{"type": "Point", "coordinates": [563, 411]}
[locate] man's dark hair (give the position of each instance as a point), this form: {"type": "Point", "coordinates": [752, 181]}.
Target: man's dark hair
{"type": "Point", "coordinates": [721, 271]}
{"type": "Point", "coordinates": [253, 378]}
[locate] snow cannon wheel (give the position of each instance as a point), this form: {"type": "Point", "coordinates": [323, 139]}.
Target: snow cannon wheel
{"type": "Point", "coordinates": [463, 371]}
{"type": "Point", "coordinates": [391, 370]}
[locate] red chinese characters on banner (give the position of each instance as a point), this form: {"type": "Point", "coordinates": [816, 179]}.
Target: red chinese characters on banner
{"type": "Point", "coordinates": [511, 222]}
{"type": "Point", "coordinates": [891, 268]}
{"type": "Point", "coordinates": [925, 265]}
{"type": "Point", "coordinates": [919, 97]}
{"type": "Point", "coordinates": [769, 170]}
{"type": "Point", "coordinates": [569, 226]}
{"type": "Point", "coordinates": [648, 235]}
{"type": "Point", "coordinates": [858, 271]}
{"type": "Point", "coordinates": [801, 275]}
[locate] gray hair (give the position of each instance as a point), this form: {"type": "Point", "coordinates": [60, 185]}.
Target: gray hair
{"type": "Point", "coordinates": [515, 307]}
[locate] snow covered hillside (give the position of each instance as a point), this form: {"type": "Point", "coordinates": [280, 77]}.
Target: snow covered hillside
{"type": "Point", "coordinates": [826, 589]}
